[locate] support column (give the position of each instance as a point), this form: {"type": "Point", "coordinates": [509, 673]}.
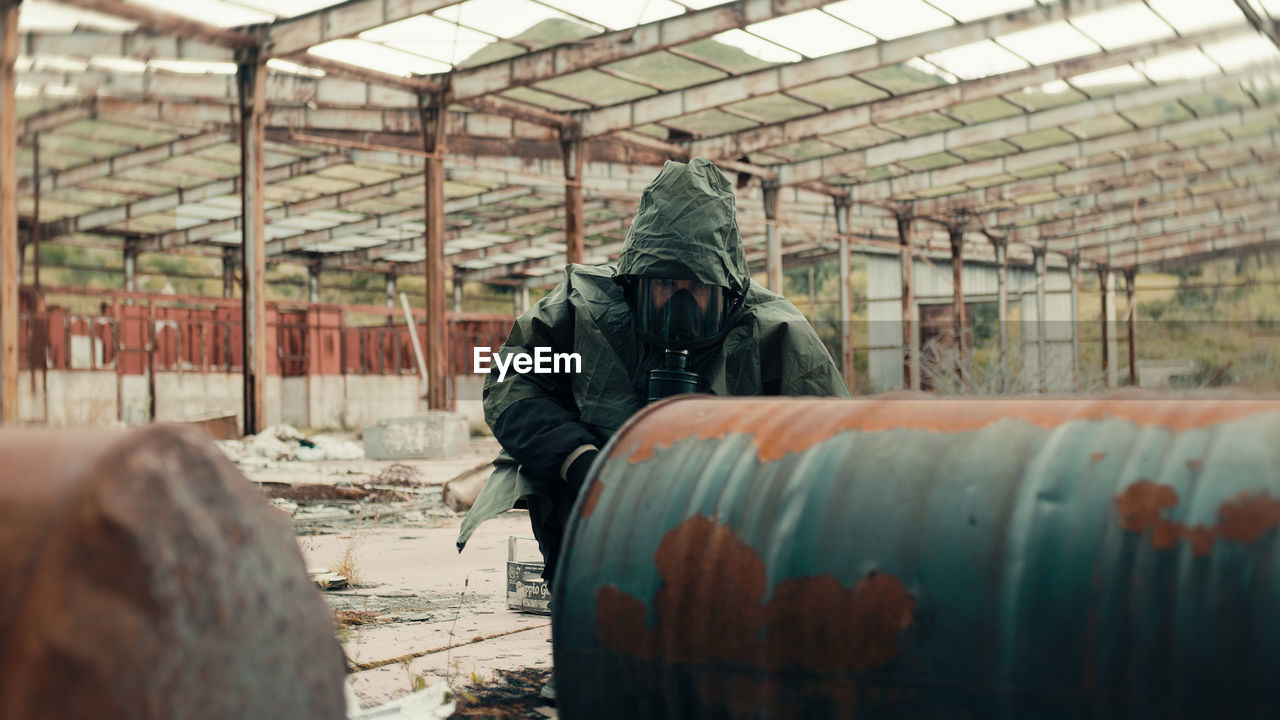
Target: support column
{"type": "Point", "coordinates": [910, 338]}
{"type": "Point", "coordinates": [131, 265]}
{"type": "Point", "coordinates": [35, 213]}
{"type": "Point", "coordinates": [229, 273]}
{"type": "Point", "coordinates": [313, 282]}
{"type": "Point", "coordinates": [956, 235]}
{"type": "Point", "coordinates": [433, 111]}
{"type": "Point", "coordinates": [843, 208]}
{"type": "Point", "coordinates": [521, 300]}
{"type": "Point", "coordinates": [1108, 299]}
{"type": "Point", "coordinates": [1132, 316]}
{"type": "Point", "coordinates": [1041, 326]}
{"type": "Point", "coordinates": [574, 225]}
{"type": "Point", "coordinates": [8, 214]}
{"type": "Point", "coordinates": [457, 293]}
{"type": "Point", "coordinates": [1002, 294]}
{"type": "Point", "coordinates": [773, 259]}
{"type": "Point", "coordinates": [1073, 272]}
{"type": "Point", "coordinates": [391, 290]}
{"type": "Point", "coordinates": [251, 78]}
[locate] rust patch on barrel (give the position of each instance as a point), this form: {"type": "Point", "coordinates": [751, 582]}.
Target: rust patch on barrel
{"type": "Point", "coordinates": [592, 499]}
{"type": "Point", "coordinates": [779, 427]}
{"type": "Point", "coordinates": [1243, 519]}
{"type": "Point", "coordinates": [711, 609]}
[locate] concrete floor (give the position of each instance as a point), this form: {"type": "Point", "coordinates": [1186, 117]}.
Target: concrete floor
{"type": "Point", "coordinates": [420, 595]}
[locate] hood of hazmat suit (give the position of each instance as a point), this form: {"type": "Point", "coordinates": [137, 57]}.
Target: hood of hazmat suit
{"type": "Point", "coordinates": [685, 228]}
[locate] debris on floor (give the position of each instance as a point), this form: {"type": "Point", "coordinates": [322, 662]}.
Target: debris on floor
{"type": "Point", "coordinates": [328, 580]}
{"type": "Point", "coordinates": [429, 703]}
{"type": "Point", "coordinates": [512, 694]}
{"type": "Point", "coordinates": [284, 443]}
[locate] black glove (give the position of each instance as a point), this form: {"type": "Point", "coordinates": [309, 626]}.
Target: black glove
{"type": "Point", "coordinates": [576, 475]}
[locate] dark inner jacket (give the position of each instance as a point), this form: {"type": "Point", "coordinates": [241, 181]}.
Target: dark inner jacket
{"type": "Point", "coordinates": [685, 228]}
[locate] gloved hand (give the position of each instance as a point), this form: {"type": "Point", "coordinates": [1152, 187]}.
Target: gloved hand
{"type": "Point", "coordinates": [576, 475]}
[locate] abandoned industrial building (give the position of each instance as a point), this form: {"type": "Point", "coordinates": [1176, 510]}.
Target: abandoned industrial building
{"type": "Point", "coordinates": [279, 279]}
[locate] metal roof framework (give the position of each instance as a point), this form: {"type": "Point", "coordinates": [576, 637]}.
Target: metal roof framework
{"type": "Point", "coordinates": [437, 137]}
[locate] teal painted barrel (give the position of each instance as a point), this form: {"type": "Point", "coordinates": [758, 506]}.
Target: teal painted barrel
{"type": "Point", "coordinates": [1015, 558]}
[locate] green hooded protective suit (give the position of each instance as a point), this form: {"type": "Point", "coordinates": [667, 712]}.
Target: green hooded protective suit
{"type": "Point", "coordinates": [685, 228]}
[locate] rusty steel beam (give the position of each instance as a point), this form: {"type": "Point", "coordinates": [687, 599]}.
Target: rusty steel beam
{"type": "Point", "coordinates": [1262, 22]}
{"type": "Point", "coordinates": [611, 47]}
{"type": "Point", "coordinates": [1131, 315]}
{"type": "Point", "coordinates": [848, 601]}
{"type": "Point", "coordinates": [1198, 251]}
{"type": "Point", "coordinates": [1238, 204]}
{"type": "Point", "coordinates": [282, 246]}
{"type": "Point", "coordinates": [773, 264]}
{"type": "Point", "coordinates": [87, 44]}
{"type": "Point", "coordinates": [165, 23]}
{"type": "Point", "coordinates": [910, 334]}
{"type": "Point", "coordinates": [1129, 202]}
{"type": "Point", "coordinates": [843, 259]}
{"type": "Point", "coordinates": [1074, 155]}
{"type": "Point", "coordinates": [1206, 240]}
{"type": "Point", "coordinates": [1102, 177]}
{"type": "Point", "coordinates": [54, 118]}
{"type": "Point", "coordinates": [295, 35]}
{"type": "Point", "coordinates": [518, 267]}
{"type": "Point", "coordinates": [717, 93]}
{"type": "Point", "coordinates": [858, 161]}
{"type": "Point", "coordinates": [252, 75]}
{"type": "Point", "coordinates": [149, 155]}
{"type": "Point", "coordinates": [9, 246]}
{"type": "Point", "coordinates": [99, 219]}
{"type": "Point", "coordinates": [909, 104]}
{"type": "Point", "coordinates": [956, 233]}
{"type": "Point", "coordinates": [195, 555]}
{"type": "Point", "coordinates": [573, 213]}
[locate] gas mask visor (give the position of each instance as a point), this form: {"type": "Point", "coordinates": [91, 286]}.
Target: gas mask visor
{"type": "Point", "coordinates": [680, 314]}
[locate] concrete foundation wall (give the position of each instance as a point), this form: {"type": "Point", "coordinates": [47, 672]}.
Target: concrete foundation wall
{"type": "Point", "coordinates": [370, 398]}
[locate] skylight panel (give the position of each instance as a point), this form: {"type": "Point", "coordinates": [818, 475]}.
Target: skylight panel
{"type": "Point", "coordinates": [1049, 43]}
{"type": "Point", "coordinates": [1124, 25]}
{"type": "Point", "coordinates": [1242, 51]}
{"type": "Point", "coordinates": [700, 4]}
{"type": "Point", "coordinates": [378, 57]}
{"type": "Point", "coordinates": [48, 17]}
{"type": "Point", "coordinates": [976, 60]}
{"type": "Point", "coordinates": [757, 47]}
{"type": "Point", "coordinates": [503, 18]}
{"type": "Point", "coordinates": [619, 14]}
{"type": "Point", "coordinates": [1178, 66]}
{"type": "Point", "coordinates": [430, 37]}
{"type": "Point", "coordinates": [966, 10]}
{"type": "Point", "coordinates": [118, 64]}
{"type": "Point", "coordinates": [1188, 16]}
{"type": "Point", "coordinates": [1122, 75]}
{"type": "Point", "coordinates": [909, 17]}
{"type": "Point", "coordinates": [194, 67]}
{"type": "Point", "coordinates": [293, 68]}
{"type": "Point", "coordinates": [812, 33]}
{"type": "Point", "coordinates": [213, 12]}
{"type": "Point", "coordinates": [59, 63]}
{"type": "Point", "coordinates": [288, 8]}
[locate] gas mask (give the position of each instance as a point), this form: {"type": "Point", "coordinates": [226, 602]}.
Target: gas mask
{"type": "Point", "coordinates": [678, 316]}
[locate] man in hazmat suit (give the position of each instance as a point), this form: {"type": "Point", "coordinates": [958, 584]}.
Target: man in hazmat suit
{"type": "Point", "coordinates": [679, 313]}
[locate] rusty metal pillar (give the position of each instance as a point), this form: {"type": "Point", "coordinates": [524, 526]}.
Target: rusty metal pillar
{"type": "Point", "coordinates": [1073, 273]}
{"type": "Point", "coordinates": [1001, 245]}
{"type": "Point", "coordinates": [1104, 283]}
{"type": "Point", "coordinates": [433, 114]}
{"type": "Point", "coordinates": [457, 292]}
{"type": "Point", "coordinates": [910, 338]}
{"type": "Point", "coordinates": [1042, 326]}
{"type": "Point", "coordinates": [773, 258]}
{"type": "Point", "coordinates": [391, 290]}
{"type": "Point", "coordinates": [1131, 314]}
{"type": "Point", "coordinates": [131, 264]}
{"type": "Point", "coordinates": [956, 235]}
{"type": "Point", "coordinates": [313, 282]}
{"type": "Point", "coordinates": [8, 213]}
{"type": "Point", "coordinates": [229, 262]}
{"type": "Point", "coordinates": [35, 212]}
{"type": "Point", "coordinates": [574, 223]}
{"type": "Point", "coordinates": [251, 78]}
{"type": "Point", "coordinates": [843, 209]}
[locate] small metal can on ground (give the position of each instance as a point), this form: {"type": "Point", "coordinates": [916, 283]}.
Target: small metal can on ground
{"type": "Point", "coordinates": [526, 590]}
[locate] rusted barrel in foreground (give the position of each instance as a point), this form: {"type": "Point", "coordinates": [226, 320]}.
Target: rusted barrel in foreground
{"type": "Point", "coordinates": [142, 577]}
{"type": "Point", "coordinates": [815, 558]}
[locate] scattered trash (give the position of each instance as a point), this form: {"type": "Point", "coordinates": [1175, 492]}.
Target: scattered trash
{"type": "Point", "coordinates": [431, 703]}
{"type": "Point", "coordinates": [328, 580]}
{"type": "Point", "coordinates": [283, 443]}
{"type": "Point", "coordinates": [399, 474]}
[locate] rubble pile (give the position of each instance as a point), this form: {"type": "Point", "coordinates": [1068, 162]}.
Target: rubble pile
{"type": "Point", "coordinates": [281, 444]}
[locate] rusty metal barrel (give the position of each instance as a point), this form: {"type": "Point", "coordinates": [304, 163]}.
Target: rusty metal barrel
{"type": "Point", "coordinates": [889, 557]}
{"type": "Point", "coordinates": [142, 577]}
